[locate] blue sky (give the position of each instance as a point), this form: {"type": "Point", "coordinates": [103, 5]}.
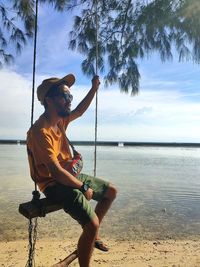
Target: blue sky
{"type": "Point", "coordinates": [166, 109]}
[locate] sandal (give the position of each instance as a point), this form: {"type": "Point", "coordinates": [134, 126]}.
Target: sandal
{"type": "Point", "coordinates": [100, 245]}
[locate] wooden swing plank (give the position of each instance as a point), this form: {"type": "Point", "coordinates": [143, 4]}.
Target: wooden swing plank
{"type": "Point", "coordinates": [31, 210]}
{"type": "Point", "coordinates": [69, 259]}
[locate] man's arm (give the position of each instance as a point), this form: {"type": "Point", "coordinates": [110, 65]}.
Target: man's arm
{"type": "Point", "coordinates": [84, 104]}
{"type": "Point", "coordinates": [64, 177]}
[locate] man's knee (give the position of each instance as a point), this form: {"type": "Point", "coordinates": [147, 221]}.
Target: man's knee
{"type": "Point", "coordinates": [111, 192]}
{"type": "Point", "coordinates": [93, 226]}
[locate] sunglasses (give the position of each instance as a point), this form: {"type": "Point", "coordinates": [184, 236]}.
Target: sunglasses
{"type": "Point", "coordinates": [54, 91]}
{"type": "Point", "coordinates": [67, 96]}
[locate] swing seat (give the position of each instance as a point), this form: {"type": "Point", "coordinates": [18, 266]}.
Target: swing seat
{"type": "Point", "coordinates": [39, 208]}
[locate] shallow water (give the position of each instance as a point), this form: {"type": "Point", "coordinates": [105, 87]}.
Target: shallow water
{"type": "Point", "coordinates": [158, 192]}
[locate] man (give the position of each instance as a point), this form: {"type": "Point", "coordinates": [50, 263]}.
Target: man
{"type": "Point", "coordinates": [49, 151]}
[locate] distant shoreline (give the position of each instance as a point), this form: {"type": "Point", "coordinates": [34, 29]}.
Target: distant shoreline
{"type": "Point", "coordinates": [113, 143]}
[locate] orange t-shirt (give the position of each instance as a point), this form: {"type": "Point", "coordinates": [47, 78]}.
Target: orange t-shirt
{"type": "Point", "coordinates": [45, 146]}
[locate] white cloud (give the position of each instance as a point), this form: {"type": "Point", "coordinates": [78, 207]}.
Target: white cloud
{"type": "Point", "coordinates": [15, 104]}
{"type": "Point", "coordinates": [150, 116]}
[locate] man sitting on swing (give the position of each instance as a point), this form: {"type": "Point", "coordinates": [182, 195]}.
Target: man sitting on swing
{"type": "Point", "coordinates": [50, 157]}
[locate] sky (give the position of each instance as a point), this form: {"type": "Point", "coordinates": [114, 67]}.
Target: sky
{"type": "Point", "coordinates": [165, 110]}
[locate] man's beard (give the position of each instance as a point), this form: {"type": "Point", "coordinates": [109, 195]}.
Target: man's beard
{"type": "Point", "coordinates": [63, 112]}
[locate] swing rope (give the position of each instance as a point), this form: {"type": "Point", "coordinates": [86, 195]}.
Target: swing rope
{"type": "Point", "coordinates": [33, 223]}
{"type": "Point", "coordinates": [32, 226]}
{"type": "Point", "coordinates": [96, 71]}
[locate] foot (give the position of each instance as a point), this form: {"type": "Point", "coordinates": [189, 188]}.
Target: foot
{"type": "Point", "coordinates": [100, 245]}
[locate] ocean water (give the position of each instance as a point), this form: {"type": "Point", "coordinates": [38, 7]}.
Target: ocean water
{"type": "Point", "coordinates": [158, 193]}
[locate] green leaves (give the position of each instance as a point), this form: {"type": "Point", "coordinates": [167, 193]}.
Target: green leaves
{"type": "Point", "coordinates": [10, 32]}
{"type": "Point", "coordinates": [59, 5]}
{"type": "Point", "coordinates": [113, 34]}
{"type": "Point", "coordinates": [131, 30]}
{"type": "Point", "coordinates": [115, 46]}
{"type": "Point", "coordinates": [17, 19]}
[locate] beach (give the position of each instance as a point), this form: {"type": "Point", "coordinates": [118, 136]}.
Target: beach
{"type": "Point", "coordinates": [158, 253]}
{"type": "Point", "coordinates": [154, 221]}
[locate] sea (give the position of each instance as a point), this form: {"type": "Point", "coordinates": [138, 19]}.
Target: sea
{"type": "Point", "coordinates": [158, 193]}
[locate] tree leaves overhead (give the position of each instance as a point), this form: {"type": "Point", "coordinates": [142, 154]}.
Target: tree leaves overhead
{"type": "Point", "coordinates": [17, 22]}
{"type": "Point", "coordinates": [131, 30]}
{"type": "Point", "coordinates": [12, 31]}
{"type": "Point", "coordinates": [112, 19]}
{"type": "Point", "coordinates": [128, 30]}
{"type": "Point", "coordinates": [59, 5]}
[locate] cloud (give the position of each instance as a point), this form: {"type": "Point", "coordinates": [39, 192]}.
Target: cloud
{"type": "Point", "coordinates": [15, 105]}
{"type": "Point", "coordinates": [151, 116]}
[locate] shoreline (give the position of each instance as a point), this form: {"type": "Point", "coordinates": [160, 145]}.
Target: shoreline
{"type": "Point", "coordinates": [157, 253]}
{"type": "Point", "coordinates": [112, 143]}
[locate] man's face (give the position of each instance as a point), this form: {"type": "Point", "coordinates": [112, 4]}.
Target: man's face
{"type": "Point", "coordinates": [63, 101]}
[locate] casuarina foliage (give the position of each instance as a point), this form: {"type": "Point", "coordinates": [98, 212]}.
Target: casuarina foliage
{"type": "Point", "coordinates": [127, 30]}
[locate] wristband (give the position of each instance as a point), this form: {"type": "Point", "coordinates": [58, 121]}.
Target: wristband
{"type": "Point", "coordinates": [84, 188]}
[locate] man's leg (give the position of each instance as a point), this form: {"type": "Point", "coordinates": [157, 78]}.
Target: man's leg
{"type": "Point", "coordinates": [104, 194]}
{"type": "Point", "coordinates": [103, 205]}
{"type": "Point", "coordinates": [86, 242]}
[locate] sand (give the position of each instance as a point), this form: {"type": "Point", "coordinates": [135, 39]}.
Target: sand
{"type": "Point", "coordinates": [158, 253]}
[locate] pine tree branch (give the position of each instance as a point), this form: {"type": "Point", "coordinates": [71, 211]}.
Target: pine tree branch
{"type": "Point", "coordinates": [125, 19]}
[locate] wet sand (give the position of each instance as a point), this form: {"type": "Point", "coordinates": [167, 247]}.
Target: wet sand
{"type": "Point", "coordinates": [158, 253]}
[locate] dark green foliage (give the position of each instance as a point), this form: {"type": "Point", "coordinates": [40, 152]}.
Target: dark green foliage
{"type": "Point", "coordinates": [17, 19]}
{"type": "Point", "coordinates": [59, 5]}
{"type": "Point", "coordinates": [129, 30]}
{"type": "Point", "coordinates": [119, 31]}
{"type": "Point", "coordinates": [10, 31]}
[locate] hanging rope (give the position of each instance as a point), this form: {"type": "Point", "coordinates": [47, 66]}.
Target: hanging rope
{"type": "Point", "coordinates": [34, 64]}
{"type": "Point", "coordinates": [32, 230]}
{"type": "Point", "coordinates": [32, 227]}
{"type": "Point", "coordinates": [96, 71]}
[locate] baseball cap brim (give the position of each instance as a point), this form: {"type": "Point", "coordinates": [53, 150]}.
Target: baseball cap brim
{"type": "Point", "coordinates": [44, 87]}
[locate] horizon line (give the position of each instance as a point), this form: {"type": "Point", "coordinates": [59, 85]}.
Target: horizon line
{"type": "Point", "coordinates": [115, 143]}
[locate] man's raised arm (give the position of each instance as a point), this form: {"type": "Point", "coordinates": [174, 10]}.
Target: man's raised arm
{"type": "Point", "coordinates": [84, 104]}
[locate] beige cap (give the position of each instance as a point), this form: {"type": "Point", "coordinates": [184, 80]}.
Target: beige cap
{"type": "Point", "coordinates": [44, 87]}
